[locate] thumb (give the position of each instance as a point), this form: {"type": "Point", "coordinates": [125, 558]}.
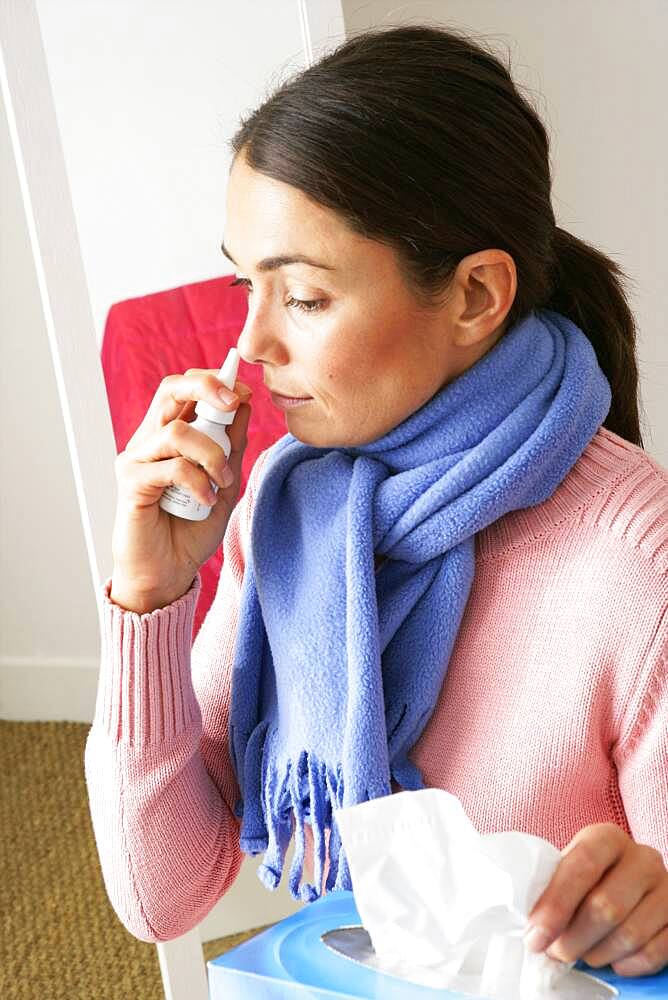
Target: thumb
{"type": "Point", "coordinates": [238, 435]}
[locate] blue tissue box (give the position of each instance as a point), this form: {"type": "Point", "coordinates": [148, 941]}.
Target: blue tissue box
{"type": "Point", "coordinates": [289, 960]}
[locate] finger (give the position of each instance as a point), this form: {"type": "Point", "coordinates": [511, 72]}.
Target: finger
{"type": "Point", "coordinates": [214, 372]}
{"type": "Point", "coordinates": [591, 852]}
{"type": "Point", "coordinates": [605, 908]}
{"type": "Point", "coordinates": [652, 957]}
{"type": "Point", "coordinates": [179, 440]}
{"type": "Point", "coordinates": [230, 492]}
{"type": "Point", "coordinates": [243, 391]}
{"type": "Point", "coordinates": [631, 935]}
{"type": "Point", "coordinates": [240, 388]}
{"type": "Point", "coordinates": [144, 482]}
{"type": "Point", "coordinates": [178, 391]}
{"type": "Point", "coordinates": [237, 432]}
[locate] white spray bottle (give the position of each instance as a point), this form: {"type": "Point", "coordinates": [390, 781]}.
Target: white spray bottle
{"type": "Point", "coordinates": [212, 422]}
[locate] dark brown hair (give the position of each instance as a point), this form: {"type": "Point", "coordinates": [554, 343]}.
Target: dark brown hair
{"type": "Point", "coordinates": [419, 138]}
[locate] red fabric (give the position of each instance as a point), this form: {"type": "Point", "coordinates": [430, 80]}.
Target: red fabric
{"type": "Point", "coordinates": [165, 333]}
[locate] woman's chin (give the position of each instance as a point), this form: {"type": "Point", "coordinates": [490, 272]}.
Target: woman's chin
{"type": "Point", "coordinates": [319, 432]}
{"type": "Point", "coordinates": [311, 437]}
{"type": "Point", "coordinates": [308, 432]}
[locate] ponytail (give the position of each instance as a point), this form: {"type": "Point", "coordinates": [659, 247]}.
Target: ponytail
{"type": "Point", "coordinates": [588, 289]}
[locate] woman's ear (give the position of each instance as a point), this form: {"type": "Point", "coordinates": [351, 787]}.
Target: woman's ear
{"type": "Point", "coordinates": [483, 292]}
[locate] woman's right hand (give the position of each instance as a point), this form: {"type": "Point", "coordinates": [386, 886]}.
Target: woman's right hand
{"type": "Point", "coordinates": [157, 556]}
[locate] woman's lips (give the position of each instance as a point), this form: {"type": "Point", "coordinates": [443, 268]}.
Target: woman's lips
{"type": "Point", "coordinates": [289, 402]}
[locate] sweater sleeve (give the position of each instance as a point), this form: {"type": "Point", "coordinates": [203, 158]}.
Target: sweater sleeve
{"type": "Point", "coordinates": [161, 786]}
{"type": "Point", "coordinates": [641, 757]}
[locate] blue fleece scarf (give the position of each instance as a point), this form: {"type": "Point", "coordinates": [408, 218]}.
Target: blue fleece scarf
{"type": "Point", "coordinates": [337, 670]}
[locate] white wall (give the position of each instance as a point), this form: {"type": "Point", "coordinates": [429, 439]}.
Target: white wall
{"type": "Point", "coordinates": [597, 73]}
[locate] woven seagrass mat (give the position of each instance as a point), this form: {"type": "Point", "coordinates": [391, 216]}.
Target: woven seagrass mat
{"type": "Point", "coordinates": [59, 936]}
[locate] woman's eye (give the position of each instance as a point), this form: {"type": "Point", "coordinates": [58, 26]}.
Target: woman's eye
{"type": "Point", "coordinates": [307, 305]}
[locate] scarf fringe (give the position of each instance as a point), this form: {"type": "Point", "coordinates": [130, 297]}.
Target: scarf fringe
{"type": "Point", "coordinates": [295, 795]}
{"type": "Point", "coordinates": [304, 792]}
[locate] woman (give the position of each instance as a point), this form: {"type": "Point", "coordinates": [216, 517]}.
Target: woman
{"type": "Point", "coordinates": [468, 427]}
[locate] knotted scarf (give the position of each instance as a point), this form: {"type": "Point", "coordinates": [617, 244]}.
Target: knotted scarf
{"type": "Point", "coordinates": [337, 669]}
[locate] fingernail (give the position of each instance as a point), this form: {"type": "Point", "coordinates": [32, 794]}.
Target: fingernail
{"type": "Point", "coordinates": [536, 939]}
{"type": "Point", "coordinates": [227, 396]}
{"type": "Point", "coordinates": [634, 965]}
{"type": "Point", "coordinates": [227, 477]}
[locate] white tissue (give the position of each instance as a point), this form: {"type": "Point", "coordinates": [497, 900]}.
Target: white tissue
{"type": "Point", "coordinates": [447, 907]}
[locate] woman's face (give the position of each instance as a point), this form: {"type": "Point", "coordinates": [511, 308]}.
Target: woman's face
{"type": "Point", "coordinates": [366, 353]}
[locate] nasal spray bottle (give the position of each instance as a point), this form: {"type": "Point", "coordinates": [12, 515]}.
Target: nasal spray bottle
{"type": "Point", "coordinates": [212, 422]}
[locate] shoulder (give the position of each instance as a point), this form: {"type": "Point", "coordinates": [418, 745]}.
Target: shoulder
{"type": "Point", "coordinates": [615, 491]}
{"type": "Point", "coordinates": [631, 502]}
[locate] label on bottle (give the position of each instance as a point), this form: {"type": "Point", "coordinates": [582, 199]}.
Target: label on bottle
{"type": "Point", "coordinates": [178, 496]}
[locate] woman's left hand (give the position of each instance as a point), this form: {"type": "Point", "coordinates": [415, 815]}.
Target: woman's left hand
{"type": "Point", "coordinates": [607, 903]}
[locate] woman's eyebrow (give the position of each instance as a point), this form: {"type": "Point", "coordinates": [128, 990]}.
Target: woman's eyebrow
{"type": "Point", "coordinates": [272, 263]}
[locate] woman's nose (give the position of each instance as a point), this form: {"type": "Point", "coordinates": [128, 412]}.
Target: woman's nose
{"type": "Point", "coordinates": [258, 342]}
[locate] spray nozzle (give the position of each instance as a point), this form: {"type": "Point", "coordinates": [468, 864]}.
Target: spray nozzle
{"type": "Point", "coordinates": [228, 373]}
{"type": "Point", "coordinates": [228, 376]}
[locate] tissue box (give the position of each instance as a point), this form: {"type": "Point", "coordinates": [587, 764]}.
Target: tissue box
{"type": "Point", "coordinates": [289, 960]}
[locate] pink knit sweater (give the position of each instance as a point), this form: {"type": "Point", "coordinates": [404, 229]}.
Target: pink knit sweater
{"type": "Point", "coordinates": [553, 714]}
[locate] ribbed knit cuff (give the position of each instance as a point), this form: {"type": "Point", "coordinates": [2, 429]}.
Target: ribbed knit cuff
{"type": "Point", "coordinates": [145, 692]}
